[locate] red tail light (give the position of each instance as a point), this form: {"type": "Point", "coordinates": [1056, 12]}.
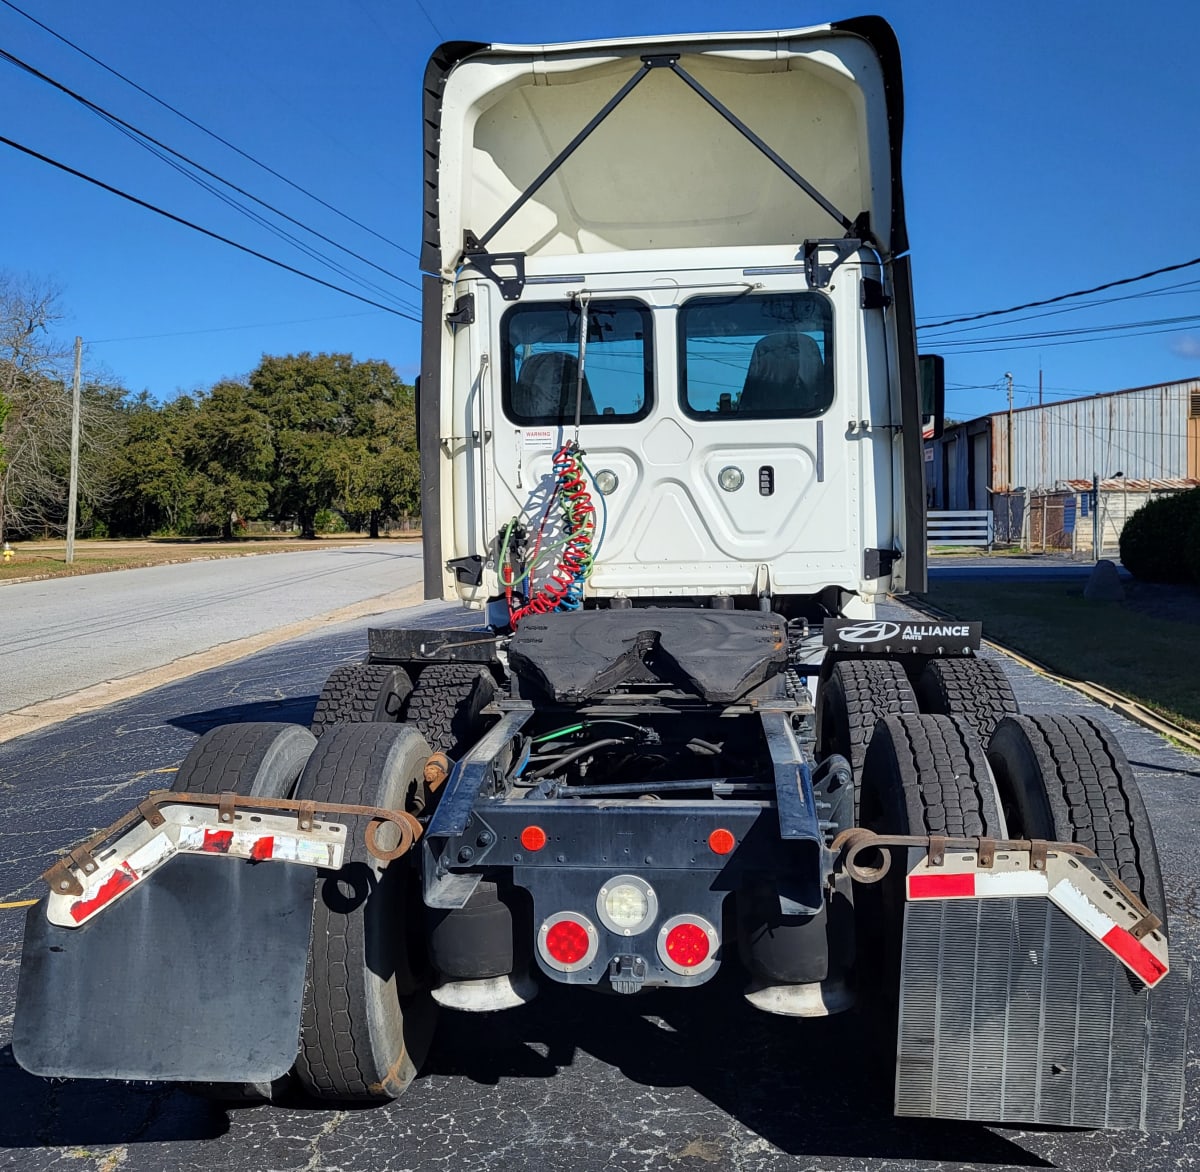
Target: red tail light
{"type": "Point", "coordinates": [688, 945]}
{"type": "Point", "coordinates": [568, 941]}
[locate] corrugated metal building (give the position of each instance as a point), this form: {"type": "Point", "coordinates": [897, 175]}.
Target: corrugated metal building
{"type": "Point", "coordinates": [1147, 433]}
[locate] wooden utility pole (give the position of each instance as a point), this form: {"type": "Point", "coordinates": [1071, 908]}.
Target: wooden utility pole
{"type": "Point", "coordinates": [73, 492]}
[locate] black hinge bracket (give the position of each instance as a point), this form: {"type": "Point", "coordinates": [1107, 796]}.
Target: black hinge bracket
{"type": "Point", "coordinates": [819, 275]}
{"type": "Point", "coordinates": [468, 570]}
{"type": "Point", "coordinates": [464, 311]}
{"type": "Point", "coordinates": [877, 563]}
{"type": "Point", "coordinates": [874, 296]}
{"type": "Point", "coordinates": [506, 269]}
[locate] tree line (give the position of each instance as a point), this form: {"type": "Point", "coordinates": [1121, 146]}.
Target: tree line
{"type": "Point", "coordinates": [305, 440]}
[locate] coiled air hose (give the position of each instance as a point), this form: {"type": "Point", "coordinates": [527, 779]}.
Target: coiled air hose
{"type": "Point", "coordinates": [563, 585]}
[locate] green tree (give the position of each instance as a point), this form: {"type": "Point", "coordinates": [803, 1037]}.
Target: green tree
{"type": "Point", "coordinates": [149, 477]}
{"type": "Point", "coordinates": [227, 449]}
{"type": "Point", "coordinates": [337, 427]}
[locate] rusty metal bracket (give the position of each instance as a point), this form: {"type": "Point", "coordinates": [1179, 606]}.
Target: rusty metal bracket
{"type": "Point", "coordinates": [62, 879]}
{"type": "Point", "coordinates": [987, 852]}
{"type": "Point", "coordinates": [149, 810]}
{"type": "Point", "coordinates": [1147, 924]}
{"type": "Point", "coordinates": [937, 850]}
{"type": "Point", "coordinates": [849, 847]}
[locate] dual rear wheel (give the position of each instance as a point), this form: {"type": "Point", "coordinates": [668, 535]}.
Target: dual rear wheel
{"type": "Point", "coordinates": [367, 1018]}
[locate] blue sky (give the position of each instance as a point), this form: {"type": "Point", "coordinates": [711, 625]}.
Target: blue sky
{"type": "Point", "coordinates": [1049, 146]}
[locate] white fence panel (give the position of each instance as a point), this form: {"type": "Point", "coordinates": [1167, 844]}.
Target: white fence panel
{"type": "Point", "coordinates": [960, 527]}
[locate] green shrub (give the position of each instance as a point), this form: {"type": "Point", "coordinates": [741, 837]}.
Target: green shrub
{"type": "Point", "coordinates": [1191, 553]}
{"type": "Point", "coordinates": [329, 521]}
{"type": "Point", "coordinates": [1158, 541]}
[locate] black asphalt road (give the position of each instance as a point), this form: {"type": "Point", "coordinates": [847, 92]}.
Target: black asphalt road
{"type": "Point", "coordinates": [684, 1082]}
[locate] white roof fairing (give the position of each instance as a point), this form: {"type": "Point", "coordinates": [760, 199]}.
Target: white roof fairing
{"type": "Point", "coordinates": [664, 169]}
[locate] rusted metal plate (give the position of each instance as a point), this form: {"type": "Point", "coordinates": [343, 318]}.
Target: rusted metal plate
{"type": "Point", "coordinates": [196, 974]}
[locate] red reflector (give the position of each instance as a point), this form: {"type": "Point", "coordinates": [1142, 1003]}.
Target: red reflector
{"type": "Point", "coordinates": [263, 848]}
{"type": "Point", "coordinates": [1135, 954]}
{"type": "Point", "coordinates": [687, 945]}
{"type": "Point", "coordinates": [940, 886]}
{"type": "Point", "coordinates": [721, 841]}
{"type": "Point", "coordinates": [217, 842]}
{"type": "Point", "coordinates": [567, 941]}
{"type": "Point", "coordinates": [533, 838]}
{"type": "Point", "coordinates": [124, 876]}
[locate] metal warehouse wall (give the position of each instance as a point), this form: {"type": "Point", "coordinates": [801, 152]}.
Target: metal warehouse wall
{"type": "Point", "coordinates": [1142, 433]}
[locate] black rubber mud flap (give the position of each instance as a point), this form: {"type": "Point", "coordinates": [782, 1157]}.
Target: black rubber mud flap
{"type": "Point", "coordinates": [1010, 1013]}
{"type": "Point", "coordinates": [196, 974]}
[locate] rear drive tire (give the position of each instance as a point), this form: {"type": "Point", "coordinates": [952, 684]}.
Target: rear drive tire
{"type": "Point", "coordinates": [261, 760]}
{"type": "Point", "coordinates": [360, 692]}
{"type": "Point", "coordinates": [977, 690]}
{"type": "Point", "coordinates": [924, 774]}
{"type": "Point", "coordinates": [857, 694]}
{"type": "Point", "coordinates": [368, 1019]}
{"type": "Point", "coordinates": [1065, 778]}
{"type": "Point", "coordinates": [929, 774]}
{"type": "Point", "coordinates": [256, 759]}
{"type": "Point", "coordinates": [446, 705]}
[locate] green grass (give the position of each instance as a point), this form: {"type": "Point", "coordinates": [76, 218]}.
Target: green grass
{"type": "Point", "coordinates": [1155, 661]}
{"type": "Point", "coordinates": [25, 567]}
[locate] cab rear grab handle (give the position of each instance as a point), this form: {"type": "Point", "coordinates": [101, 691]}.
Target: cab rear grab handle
{"type": "Point", "coordinates": [62, 879]}
{"type": "Point", "coordinates": [1066, 873]}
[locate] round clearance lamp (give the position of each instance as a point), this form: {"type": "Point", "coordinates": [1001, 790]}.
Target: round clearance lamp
{"type": "Point", "coordinates": [607, 481]}
{"type": "Point", "coordinates": [730, 478]}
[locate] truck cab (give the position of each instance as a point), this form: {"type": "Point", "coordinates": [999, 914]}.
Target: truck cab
{"type": "Point", "coordinates": [687, 258]}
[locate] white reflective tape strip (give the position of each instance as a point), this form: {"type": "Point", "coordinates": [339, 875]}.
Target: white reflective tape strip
{"type": "Point", "coordinates": [149, 855]}
{"type": "Point", "coordinates": [1081, 909]}
{"type": "Point", "coordinates": [1010, 883]}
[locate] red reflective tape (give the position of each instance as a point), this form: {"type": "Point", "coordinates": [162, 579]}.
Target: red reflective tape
{"type": "Point", "coordinates": [263, 848]}
{"type": "Point", "coordinates": [217, 842]}
{"type": "Point", "coordinates": [1135, 954]}
{"type": "Point", "coordinates": [940, 886]}
{"type": "Point", "coordinates": [124, 876]}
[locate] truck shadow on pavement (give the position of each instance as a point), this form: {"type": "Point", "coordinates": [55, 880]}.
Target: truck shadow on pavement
{"type": "Point", "coordinates": [40, 1112]}
{"type": "Point", "coordinates": [291, 710]}
{"type": "Point", "coordinates": [812, 1088]}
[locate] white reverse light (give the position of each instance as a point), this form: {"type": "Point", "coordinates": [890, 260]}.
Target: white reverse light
{"type": "Point", "coordinates": [627, 905]}
{"type": "Point", "coordinates": [730, 478]}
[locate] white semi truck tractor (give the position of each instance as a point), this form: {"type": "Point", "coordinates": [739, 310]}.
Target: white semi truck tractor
{"type": "Point", "coordinates": [671, 420]}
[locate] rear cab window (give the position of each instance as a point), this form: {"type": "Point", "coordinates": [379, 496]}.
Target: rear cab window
{"type": "Point", "coordinates": [540, 375]}
{"type": "Point", "coordinates": [756, 356]}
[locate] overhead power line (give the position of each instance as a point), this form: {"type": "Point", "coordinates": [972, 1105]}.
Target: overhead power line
{"type": "Point", "coordinates": [432, 25]}
{"type": "Point", "coordinates": [1033, 335]}
{"type": "Point", "coordinates": [1179, 289]}
{"type": "Point", "coordinates": [1184, 264]}
{"type": "Point", "coordinates": [122, 124]}
{"type": "Point", "coordinates": [258, 325]}
{"type": "Point", "coordinates": [203, 231]}
{"type": "Point", "coordinates": [205, 130]}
